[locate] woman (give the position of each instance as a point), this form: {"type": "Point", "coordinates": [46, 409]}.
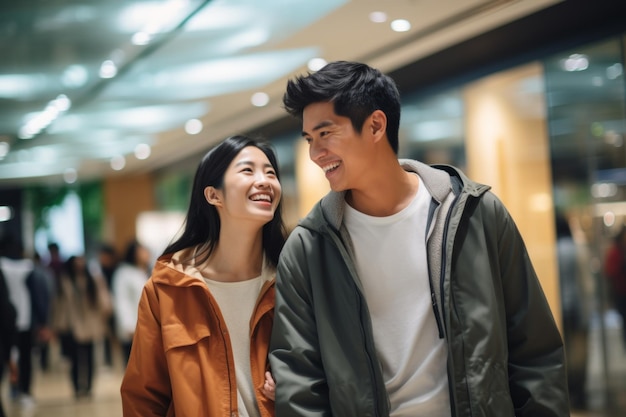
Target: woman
{"type": "Point", "coordinates": [205, 316]}
{"type": "Point", "coordinates": [84, 310]}
{"type": "Point", "coordinates": [127, 285]}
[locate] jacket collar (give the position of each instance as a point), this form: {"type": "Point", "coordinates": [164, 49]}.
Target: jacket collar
{"type": "Point", "coordinates": [437, 180]}
{"type": "Point", "coordinates": [169, 270]}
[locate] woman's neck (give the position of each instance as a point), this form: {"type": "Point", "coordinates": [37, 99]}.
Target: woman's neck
{"type": "Point", "coordinates": [238, 256]}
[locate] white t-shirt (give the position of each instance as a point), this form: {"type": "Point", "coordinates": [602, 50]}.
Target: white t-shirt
{"type": "Point", "coordinates": [16, 273]}
{"type": "Point", "coordinates": [392, 265]}
{"type": "Point", "coordinates": [236, 302]}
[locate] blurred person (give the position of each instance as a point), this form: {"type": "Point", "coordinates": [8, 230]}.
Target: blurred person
{"type": "Point", "coordinates": [86, 308]}
{"type": "Point", "coordinates": [29, 295]}
{"type": "Point", "coordinates": [407, 290]}
{"type": "Point", "coordinates": [8, 330]}
{"type": "Point", "coordinates": [205, 315]}
{"type": "Point", "coordinates": [47, 283]}
{"type": "Point", "coordinates": [55, 261]}
{"type": "Point", "coordinates": [127, 284]}
{"type": "Point", "coordinates": [55, 265]}
{"type": "Point", "coordinates": [615, 272]}
{"type": "Point", "coordinates": [107, 263]}
{"type": "Point", "coordinates": [575, 323]}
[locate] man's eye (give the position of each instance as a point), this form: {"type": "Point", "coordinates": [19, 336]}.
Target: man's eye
{"type": "Point", "coordinates": [308, 140]}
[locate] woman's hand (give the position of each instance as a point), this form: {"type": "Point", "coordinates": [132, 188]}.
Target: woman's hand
{"type": "Point", "coordinates": [269, 388]}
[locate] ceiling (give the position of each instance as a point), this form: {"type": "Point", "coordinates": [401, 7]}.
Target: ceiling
{"type": "Point", "coordinates": [101, 88]}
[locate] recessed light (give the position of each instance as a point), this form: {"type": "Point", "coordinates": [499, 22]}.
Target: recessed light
{"type": "Point", "coordinates": [142, 151]}
{"type": "Point", "coordinates": [378, 17]}
{"type": "Point", "coordinates": [401, 25]}
{"type": "Point", "coordinates": [260, 99]}
{"type": "Point", "coordinates": [6, 213]}
{"type": "Point", "coordinates": [316, 64]}
{"type": "Point", "coordinates": [118, 162]}
{"type": "Point", "coordinates": [193, 126]}
{"type": "Point", "coordinates": [70, 176]}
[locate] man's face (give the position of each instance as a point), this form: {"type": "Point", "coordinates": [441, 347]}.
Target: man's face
{"type": "Point", "coordinates": [335, 146]}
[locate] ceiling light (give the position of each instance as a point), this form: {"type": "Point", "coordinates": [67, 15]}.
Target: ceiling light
{"type": "Point", "coordinates": [74, 76]}
{"type": "Point", "coordinates": [70, 176]}
{"type": "Point", "coordinates": [108, 69]}
{"type": "Point", "coordinates": [142, 151]}
{"type": "Point", "coordinates": [4, 149]}
{"type": "Point", "coordinates": [260, 99]}
{"type": "Point", "coordinates": [41, 120]}
{"type": "Point", "coordinates": [575, 62]}
{"type": "Point", "coordinates": [378, 17]}
{"type": "Point", "coordinates": [193, 126]}
{"type": "Point", "coordinates": [316, 64]}
{"type": "Point", "coordinates": [18, 85]}
{"type": "Point", "coordinates": [62, 103]}
{"type": "Point", "coordinates": [603, 190]}
{"type": "Point", "coordinates": [141, 38]}
{"type": "Point", "coordinates": [614, 71]}
{"type": "Point", "coordinates": [118, 162]}
{"type": "Point", "coordinates": [400, 25]}
{"type": "Point", "coordinates": [6, 213]}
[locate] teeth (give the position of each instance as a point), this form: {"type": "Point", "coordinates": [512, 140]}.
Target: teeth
{"type": "Point", "coordinates": [260, 197]}
{"type": "Point", "coordinates": [330, 166]}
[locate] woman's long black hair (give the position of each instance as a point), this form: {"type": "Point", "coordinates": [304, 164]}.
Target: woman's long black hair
{"type": "Point", "coordinates": [202, 224]}
{"type": "Point", "coordinates": [70, 268]}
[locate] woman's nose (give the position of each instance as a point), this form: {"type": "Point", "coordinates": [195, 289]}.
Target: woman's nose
{"type": "Point", "coordinates": [262, 181]}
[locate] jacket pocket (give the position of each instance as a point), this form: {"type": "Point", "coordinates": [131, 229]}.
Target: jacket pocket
{"type": "Point", "coordinates": [178, 335]}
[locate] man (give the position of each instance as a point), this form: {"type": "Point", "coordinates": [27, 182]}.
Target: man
{"type": "Point", "coordinates": [407, 290]}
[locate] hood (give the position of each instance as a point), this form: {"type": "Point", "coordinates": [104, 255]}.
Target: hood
{"type": "Point", "coordinates": [440, 180]}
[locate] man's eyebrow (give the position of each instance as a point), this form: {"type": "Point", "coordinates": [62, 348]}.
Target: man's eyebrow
{"type": "Point", "coordinates": [319, 126]}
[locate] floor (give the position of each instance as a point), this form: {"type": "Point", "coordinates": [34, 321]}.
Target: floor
{"type": "Point", "coordinates": [53, 394]}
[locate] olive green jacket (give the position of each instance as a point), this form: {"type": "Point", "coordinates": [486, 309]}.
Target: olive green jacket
{"type": "Point", "coordinates": [505, 353]}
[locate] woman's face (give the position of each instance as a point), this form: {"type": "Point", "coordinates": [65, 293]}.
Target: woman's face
{"type": "Point", "coordinates": [251, 190]}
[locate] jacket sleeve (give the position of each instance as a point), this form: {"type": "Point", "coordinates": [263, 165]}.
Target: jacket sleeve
{"type": "Point", "coordinates": [537, 375]}
{"type": "Point", "coordinates": [146, 388]}
{"type": "Point", "coordinates": [301, 388]}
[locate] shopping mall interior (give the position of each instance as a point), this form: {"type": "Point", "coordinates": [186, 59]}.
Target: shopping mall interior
{"type": "Point", "coordinates": [107, 108]}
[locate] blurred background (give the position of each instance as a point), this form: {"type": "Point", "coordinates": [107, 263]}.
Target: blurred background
{"type": "Point", "coordinates": [106, 108]}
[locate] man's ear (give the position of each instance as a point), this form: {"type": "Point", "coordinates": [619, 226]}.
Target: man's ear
{"type": "Point", "coordinates": [212, 196]}
{"type": "Point", "coordinates": [378, 124]}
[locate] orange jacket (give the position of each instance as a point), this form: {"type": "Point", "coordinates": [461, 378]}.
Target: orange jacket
{"type": "Point", "coordinates": [181, 362]}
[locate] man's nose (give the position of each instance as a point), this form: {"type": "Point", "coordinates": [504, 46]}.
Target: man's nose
{"type": "Point", "coordinates": [315, 150]}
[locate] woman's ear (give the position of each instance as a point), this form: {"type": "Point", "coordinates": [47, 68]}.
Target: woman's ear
{"type": "Point", "coordinates": [212, 196]}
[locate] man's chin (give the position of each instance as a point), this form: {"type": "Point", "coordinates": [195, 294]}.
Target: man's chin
{"type": "Point", "coordinates": [337, 188]}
